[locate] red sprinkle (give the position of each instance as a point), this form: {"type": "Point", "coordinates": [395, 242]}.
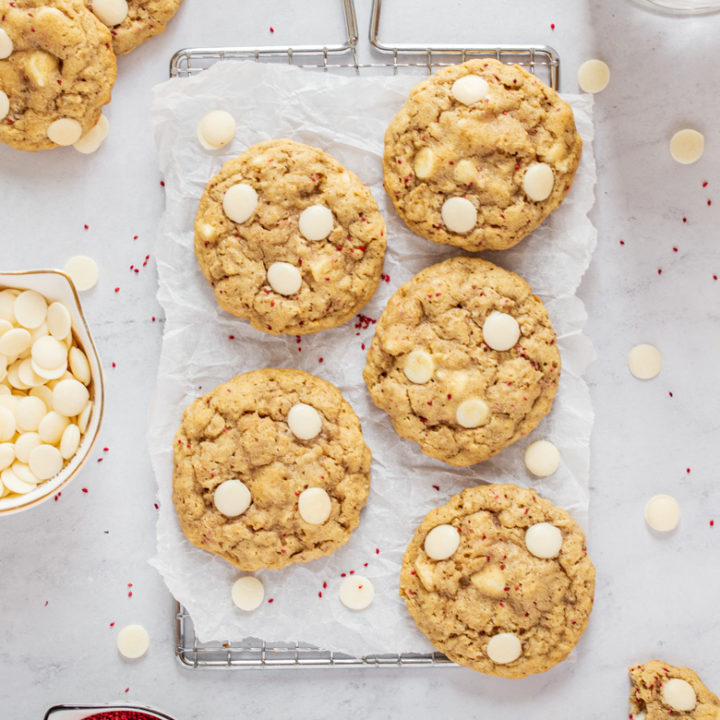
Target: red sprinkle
{"type": "Point", "coordinates": [552, 26]}
{"type": "Point", "coordinates": [130, 593]}
{"type": "Point", "coordinates": [84, 490]}
{"type": "Point", "coordinates": [114, 365]}
{"type": "Point", "coordinates": [112, 624]}
{"type": "Point", "coordinates": [675, 249]}
{"type": "Point", "coordinates": [320, 360]}
{"type": "Point", "coordinates": [659, 271]}
{"type": "Point", "coordinates": [712, 522]}
{"type": "Point", "coordinates": [377, 551]}
{"type": "Point", "coordinates": [687, 470]}
{"type": "Point", "coordinates": [272, 29]}
{"type": "Point", "coordinates": [320, 594]}
{"type": "Point", "coordinates": [684, 219]}
{"type": "Point", "coordinates": [324, 585]}
{"type": "Point", "coordinates": [436, 487]}
{"type": "Point", "coordinates": [271, 600]}
{"type": "Point", "coordinates": [117, 289]}
{"type": "Point", "coordinates": [87, 227]}
{"type": "Point", "coordinates": [162, 183]}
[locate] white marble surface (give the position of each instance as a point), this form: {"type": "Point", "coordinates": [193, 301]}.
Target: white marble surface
{"type": "Point", "coordinates": [64, 579]}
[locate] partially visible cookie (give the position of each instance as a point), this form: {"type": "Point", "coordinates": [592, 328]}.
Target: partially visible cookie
{"type": "Point", "coordinates": [289, 239]}
{"type": "Point", "coordinates": [499, 580]}
{"type": "Point", "coordinates": [480, 154]}
{"type": "Point", "coordinates": [132, 22]}
{"type": "Point", "coordinates": [660, 690]}
{"type": "Point", "coordinates": [57, 70]}
{"type": "Point", "coordinates": [464, 360]}
{"type": "Point", "coordinates": [270, 469]}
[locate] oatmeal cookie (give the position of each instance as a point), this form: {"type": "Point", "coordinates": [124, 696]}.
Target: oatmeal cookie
{"type": "Point", "coordinates": [499, 580]}
{"type": "Point", "coordinates": [480, 154]}
{"type": "Point", "coordinates": [289, 239]}
{"type": "Point", "coordinates": [270, 469]}
{"type": "Point", "coordinates": [464, 360]}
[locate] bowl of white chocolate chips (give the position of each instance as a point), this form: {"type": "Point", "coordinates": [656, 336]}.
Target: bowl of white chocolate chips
{"type": "Point", "coordinates": [51, 387]}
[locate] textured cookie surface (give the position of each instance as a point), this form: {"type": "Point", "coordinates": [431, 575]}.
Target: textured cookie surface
{"type": "Point", "coordinates": [437, 148]}
{"type": "Point", "coordinates": [240, 431]}
{"type": "Point", "coordinates": [492, 584]}
{"type": "Point", "coordinates": [442, 312]}
{"type": "Point", "coordinates": [61, 67]}
{"type": "Point", "coordinates": [646, 696]}
{"type": "Point", "coordinates": [145, 19]}
{"type": "Point", "coordinates": [338, 274]}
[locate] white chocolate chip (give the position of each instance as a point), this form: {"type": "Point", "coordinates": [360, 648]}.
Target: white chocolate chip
{"type": "Point", "coordinates": [7, 455]}
{"type": "Point", "coordinates": [424, 163]}
{"type": "Point", "coordinates": [49, 373]}
{"type": "Point", "coordinates": [472, 413]}
{"type": "Point", "coordinates": [14, 342]}
{"type": "Point", "coordinates": [70, 397]}
{"type": "Point", "coordinates": [110, 12]}
{"type": "Point", "coordinates": [59, 320]}
{"type": "Point", "coordinates": [419, 367]}
{"type": "Point", "coordinates": [49, 353]}
{"type": "Point", "coordinates": [4, 105]}
{"type": "Point", "coordinates": [542, 458]}
{"type": "Point", "coordinates": [23, 471]}
{"type": "Point", "coordinates": [29, 412]}
{"type": "Point", "coordinates": [84, 418]}
{"type": "Point", "coordinates": [441, 542]}
{"type": "Point", "coordinates": [64, 131]}
{"type": "Point", "coordinates": [52, 427]}
{"type": "Point", "coordinates": [501, 331]}
{"type": "Point", "coordinates": [83, 271]}
{"type": "Point", "coordinates": [216, 129]}
{"type": "Point", "coordinates": [644, 361]}
{"type": "Point", "coordinates": [356, 592]}
{"type": "Point", "coordinates": [687, 146]}
{"type": "Point", "coordinates": [248, 593]}
{"type": "Point", "coordinates": [284, 278]}
{"type": "Point", "coordinates": [538, 181]}
{"type": "Point", "coordinates": [28, 376]}
{"type": "Point", "coordinates": [7, 300]}
{"type": "Point", "coordinates": [6, 45]}
{"type": "Point", "coordinates": [12, 482]}
{"type": "Point", "coordinates": [679, 695]}
{"type": "Point", "coordinates": [45, 462]}
{"type": "Point", "coordinates": [316, 222]}
{"type": "Point", "coordinates": [44, 393]}
{"type": "Point", "coordinates": [304, 421]}
{"type": "Point", "coordinates": [314, 506]}
{"type": "Point", "coordinates": [465, 172]}
{"type": "Point", "coordinates": [91, 141]}
{"type": "Point", "coordinates": [133, 641]}
{"type": "Point", "coordinates": [70, 441]}
{"type": "Point", "coordinates": [232, 498]}
{"type": "Point", "coordinates": [7, 424]}
{"type": "Point", "coordinates": [503, 648]}
{"type": "Point", "coordinates": [40, 67]}
{"type": "Point", "coordinates": [459, 215]}
{"type": "Point", "coordinates": [79, 365]}
{"type": "Point", "coordinates": [470, 89]}
{"type": "Point", "coordinates": [239, 202]}
{"type": "Point", "coordinates": [543, 540]}
{"type": "Point", "coordinates": [593, 76]}
{"type": "Point", "coordinates": [662, 513]}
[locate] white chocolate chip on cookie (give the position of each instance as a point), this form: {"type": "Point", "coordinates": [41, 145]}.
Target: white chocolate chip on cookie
{"type": "Point", "coordinates": [501, 331]}
{"type": "Point", "coordinates": [538, 181]}
{"type": "Point", "coordinates": [441, 542]}
{"type": "Point", "coordinates": [6, 45]}
{"type": "Point", "coordinates": [504, 648]}
{"type": "Point", "coordinates": [239, 202]}
{"type": "Point", "coordinates": [284, 278]}
{"type": "Point", "coordinates": [316, 222]}
{"type": "Point", "coordinates": [314, 506]}
{"type": "Point", "coordinates": [459, 215]}
{"type": "Point", "coordinates": [304, 421]}
{"type": "Point", "coordinates": [232, 498]}
{"type": "Point", "coordinates": [4, 105]}
{"type": "Point", "coordinates": [64, 131]}
{"type": "Point", "coordinates": [472, 413]}
{"type": "Point", "coordinates": [110, 12]}
{"type": "Point", "coordinates": [543, 540]}
{"type": "Point", "coordinates": [679, 695]}
{"type": "Point", "coordinates": [470, 89]}
{"type": "Point", "coordinates": [419, 367]}
{"type": "Point", "coordinates": [424, 163]}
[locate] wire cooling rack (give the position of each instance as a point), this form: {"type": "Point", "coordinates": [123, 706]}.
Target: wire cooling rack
{"type": "Point", "coordinates": [541, 60]}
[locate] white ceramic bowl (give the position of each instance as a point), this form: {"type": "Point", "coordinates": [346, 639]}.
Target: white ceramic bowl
{"type": "Point", "coordinates": [56, 285]}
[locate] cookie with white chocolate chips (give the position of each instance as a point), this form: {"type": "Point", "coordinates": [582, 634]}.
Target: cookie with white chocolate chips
{"type": "Point", "coordinates": [660, 690]}
{"type": "Point", "coordinates": [289, 239]}
{"type": "Point", "coordinates": [57, 70]}
{"type": "Point", "coordinates": [499, 580]}
{"type": "Point", "coordinates": [480, 154]}
{"type": "Point", "coordinates": [270, 469]}
{"type": "Point", "coordinates": [464, 360]}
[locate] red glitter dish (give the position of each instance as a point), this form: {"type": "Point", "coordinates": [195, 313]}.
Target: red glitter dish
{"type": "Point", "coordinates": [94, 712]}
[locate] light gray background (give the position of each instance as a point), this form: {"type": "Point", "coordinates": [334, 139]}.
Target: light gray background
{"type": "Point", "coordinates": [656, 597]}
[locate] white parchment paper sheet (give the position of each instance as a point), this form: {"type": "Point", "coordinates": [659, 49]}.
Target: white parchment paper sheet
{"type": "Point", "coordinates": [345, 116]}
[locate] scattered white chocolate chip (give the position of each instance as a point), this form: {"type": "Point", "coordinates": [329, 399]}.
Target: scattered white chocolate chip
{"type": "Point", "coordinates": [304, 421]}
{"type": "Point", "coordinates": [64, 131]}
{"type": "Point", "coordinates": [538, 181]}
{"type": "Point", "coordinates": [687, 146]}
{"type": "Point", "coordinates": [216, 129]}
{"type": "Point", "coordinates": [542, 458]}
{"type": "Point", "coordinates": [662, 513]}
{"type": "Point", "coordinates": [70, 441]}
{"type": "Point", "coordinates": [69, 397]}
{"type": "Point", "coordinates": [91, 141]}
{"type": "Point", "coordinates": [419, 367]}
{"type": "Point", "coordinates": [4, 105]}
{"type": "Point", "coordinates": [679, 695]}
{"type": "Point", "coordinates": [459, 215]}
{"type": "Point", "coordinates": [644, 361]}
{"type": "Point", "coordinates": [593, 76]}
{"type": "Point", "coordinates": [133, 641]}
{"type": "Point", "coordinates": [316, 222]}
{"type": "Point", "coordinates": [45, 462]}
{"type": "Point", "coordinates": [441, 542]}
{"type": "Point", "coordinates": [110, 12]}
{"type": "Point", "coordinates": [501, 331]}
{"type": "Point", "coordinates": [239, 202]}
{"type": "Point", "coordinates": [424, 163]}
{"type": "Point", "coordinates": [470, 89]}
{"type": "Point", "coordinates": [79, 365]}
{"type": "Point", "coordinates": [543, 540]}
{"type": "Point", "coordinates": [314, 506]}
{"type": "Point", "coordinates": [472, 413]}
{"type": "Point", "coordinates": [503, 648]}
{"type": "Point", "coordinates": [356, 592]}
{"type": "Point", "coordinates": [232, 498]}
{"type": "Point", "coordinates": [248, 593]}
{"type": "Point", "coordinates": [6, 45]}
{"type": "Point", "coordinates": [83, 271]}
{"type": "Point", "coordinates": [284, 278]}
{"type": "Point", "coordinates": [59, 321]}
